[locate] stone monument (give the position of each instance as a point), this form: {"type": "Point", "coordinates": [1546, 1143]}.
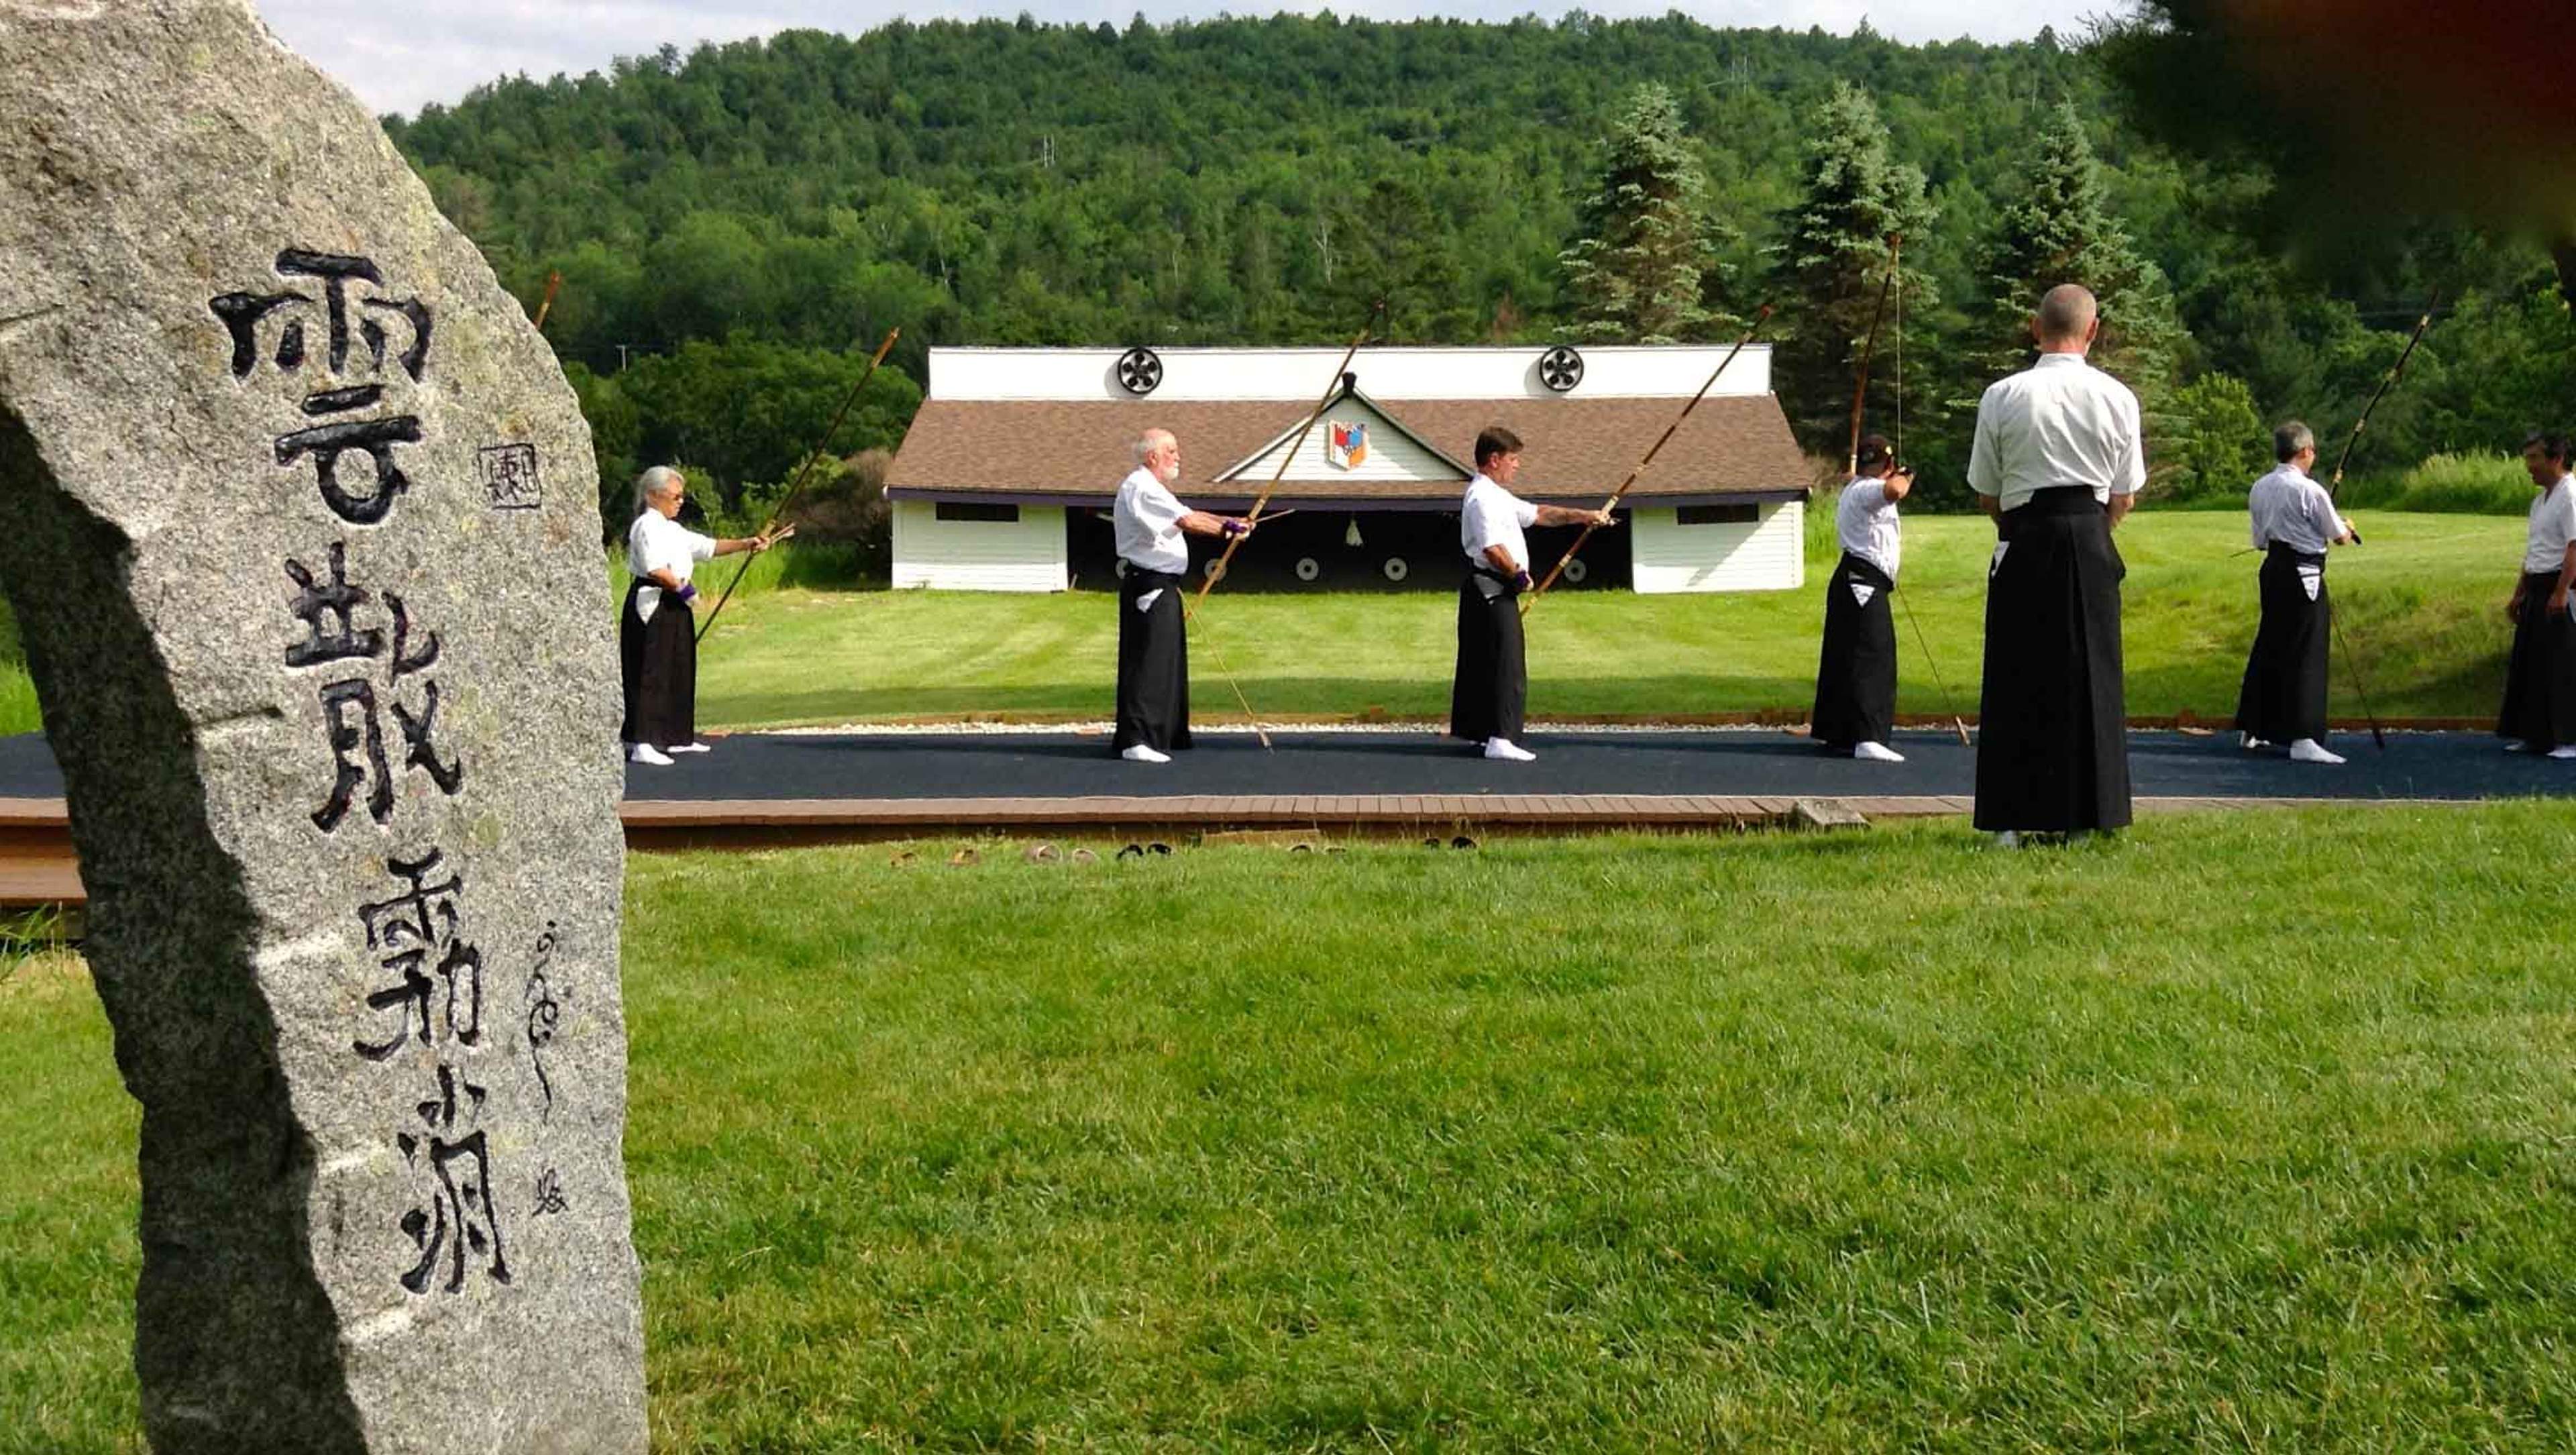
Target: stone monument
{"type": "Point", "coordinates": [299, 519]}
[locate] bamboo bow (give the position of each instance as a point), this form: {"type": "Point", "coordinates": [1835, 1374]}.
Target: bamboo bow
{"type": "Point", "coordinates": [1530, 598]}
{"type": "Point", "coordinates": [1888, 288]}
{"type": "Point", "coordinates": [2395, 373]}
{"type": "Point", "coordinates": [1869, 347]}
{"type": "Point", "coordinates": [793, 489]}
{"type": "Point", "coordinates": [1216, 572]}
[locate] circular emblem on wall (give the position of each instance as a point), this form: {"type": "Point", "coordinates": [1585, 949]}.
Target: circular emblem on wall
{"type": "Point", "coordinates": [1139, 370]}
{"type": "Point", "coordinates": [1308, 568]}
{"type": "Point", "coordinates": [1575, 571]}
{"type": "Point", "coordinates": [1560, 368]}
{"type": "Point", "coordinates": [1395, 569]}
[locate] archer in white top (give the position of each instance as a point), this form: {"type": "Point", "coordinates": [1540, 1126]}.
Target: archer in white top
{"type": "Point", "coordinates": [1489, 691]}
{"type": "Point", "coordinates": [2553, 530]}
{"type": "Point", "coordinates": [2288, 508]}
{"type": "Point", "coordinates": [1865, 520]}
{"type": "Point", "coordinates": [2059, 422]}
{"type": "Point", "coordinates": [657, 659]}
{"type": "Point", "coordinates": [1147, 521]}
{"type": "Point", "coordinates": [1492, 519]}
{"type": "Point", "coordinates": [658, 549]}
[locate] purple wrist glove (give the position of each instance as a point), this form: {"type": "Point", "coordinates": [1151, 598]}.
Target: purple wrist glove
{"type": "Point", "coordinates": [1521, 579]}
{"type": "Point", "coordinates": [1233, 528]}
{"type": "Point", "coordinates": [686, 593]}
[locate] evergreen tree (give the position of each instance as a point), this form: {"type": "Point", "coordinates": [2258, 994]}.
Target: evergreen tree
{"type": "Point", "coordinates": [1395, 254]}
{"type": "Point", "coordinates": [2062, 231]}
{"type": "Point", "coordinates": [1834, 259]}
{"type": "Point", "coordinates": [1642, 238]}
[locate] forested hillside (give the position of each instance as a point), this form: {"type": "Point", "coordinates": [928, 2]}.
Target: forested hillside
{"type": "Point", "coordinates": [1260, 180]}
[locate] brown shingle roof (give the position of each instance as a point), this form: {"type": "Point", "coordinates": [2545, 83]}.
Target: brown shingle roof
{"type": "Point", "coordinates": [1576, 448]}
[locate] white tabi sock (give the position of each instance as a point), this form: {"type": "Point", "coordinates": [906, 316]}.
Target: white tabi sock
{"type": "Point", "coordinates": [1504, 750]}
{"type": "Point", "coordinates": [2309, 750]}
{"type": "Point", "coordinates": [647, 753]}
{"type": "Point", "coordinates": [1143, 754]}
{"type": "Point", "coordinates": [1876, 753]}
{"type": "Point", "coordinates": [2564, 750]}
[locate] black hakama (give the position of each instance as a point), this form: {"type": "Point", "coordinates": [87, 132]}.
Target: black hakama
{"type": "Point", "coordinates": [2052, 745]}
{"type": "Point", "coordinates": [2540, 678]}
{"type": "Point", "coordinates": [2284, 697]}
{"type": "Point", "coordinates": [657, 664]}
{"type": "Point", "coordinates": [1153, 663]}
{"type": "Point", "coordinates": [1856, 672]}
{"type": "Point", "coordinates": [1490, 689]}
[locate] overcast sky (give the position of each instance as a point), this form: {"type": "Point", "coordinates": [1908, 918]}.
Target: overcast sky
{"type": "Point", "coordinates": [399, 56]}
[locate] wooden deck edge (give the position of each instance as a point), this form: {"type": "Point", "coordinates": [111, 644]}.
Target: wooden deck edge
{"type": "Point", "coordinates": [38, 868]}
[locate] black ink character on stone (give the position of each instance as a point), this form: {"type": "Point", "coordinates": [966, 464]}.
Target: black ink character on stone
{"type": "Point", "coordinates": [315, 600]}
{"type": "Point", "coordinates": [326, 443]}
{"type": "Point", "coordinates": [550, 1198]}
{"type": "Point", "coordinates": [243, 315]}
{"type": "Point", "coordinates": [545, 1013]}
{"type": "Point", "coordinates": [410, 927]}
{"type": "Point", "coordinates": [462, 1219]}
{"type": "Point", "coordinates": [352, 725]}
{"type": "Point", "coordinates": [509, 476]}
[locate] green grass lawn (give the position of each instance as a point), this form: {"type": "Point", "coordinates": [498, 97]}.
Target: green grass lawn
{"type": "Point", "coordinates": [2250, 1131]}
{"type": "Point", "coordinates": [2420, 606]}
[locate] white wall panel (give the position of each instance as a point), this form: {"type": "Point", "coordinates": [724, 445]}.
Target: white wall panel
{"type": "Point", "coordinates": [1768, 554]}
{"type": "Point", "coordinates": [1027, 554]}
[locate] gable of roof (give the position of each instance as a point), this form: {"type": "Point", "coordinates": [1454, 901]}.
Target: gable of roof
{"type": "Point", "coordinates": [1394, 452]}
{"type": "Point", "coordinates": [1577, 449]}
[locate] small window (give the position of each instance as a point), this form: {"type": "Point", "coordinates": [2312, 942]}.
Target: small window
{"type": "Point", "coordinates": [976, 510]}
{"type": "Point", "coordinates": [1717, 514]}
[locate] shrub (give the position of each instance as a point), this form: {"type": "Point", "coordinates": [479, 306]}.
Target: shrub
{"type": "Point", "coordinates": [2470, 484]}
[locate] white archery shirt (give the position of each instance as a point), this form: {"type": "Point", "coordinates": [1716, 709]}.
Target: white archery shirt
{"type": "Point", "coordinates": [2288, 507]}
{"type": "Point", "coordinates": [1866, 524]}
{"type": "Point", "coordinates": [1494, 516]}
{"type": "Point", "coordinates": [655, 542]}
{"type": "Point", "coordinates": [2553, 525]}
{"type": "Point", "coordinates": [1147, 520]}
{"type": "Point", "coordinates": [2060, 422]}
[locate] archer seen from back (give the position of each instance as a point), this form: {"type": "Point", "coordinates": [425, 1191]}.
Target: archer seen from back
{"type": "Point", "coordinates": [2057, 462]}
{"type": "Point", "coordinates": [1855, 709]}
{"type": "Point", "coordinates": [2293, 521]}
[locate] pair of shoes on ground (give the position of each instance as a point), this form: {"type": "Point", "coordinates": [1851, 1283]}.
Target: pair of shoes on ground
{"type": "Point", "coordinates": [2015, 838]}
{"type": "Point", "coordinates": [2305, 750]}
{"type": "Point", "coordinates": [659, 757]}
{"type": "Point", "coordinates": [2562, 752]}
{"type": "Point", "coordinates": [1504, 750]}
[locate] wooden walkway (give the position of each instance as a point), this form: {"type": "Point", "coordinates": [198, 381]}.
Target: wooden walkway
{"type": "Point", "coordinates": [39, 869]}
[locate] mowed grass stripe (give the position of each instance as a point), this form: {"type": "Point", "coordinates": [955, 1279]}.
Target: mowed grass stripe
{"type": "Point", "coordinates": [2248, 1130]}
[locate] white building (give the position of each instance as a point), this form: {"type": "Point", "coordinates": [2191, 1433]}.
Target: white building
{"type": "Point", "coordinates": [1004, 481]}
